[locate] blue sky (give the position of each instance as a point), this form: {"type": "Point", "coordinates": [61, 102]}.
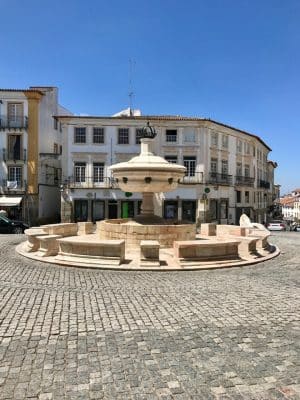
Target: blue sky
{"type": "Point", "coordinates": [234, 61]}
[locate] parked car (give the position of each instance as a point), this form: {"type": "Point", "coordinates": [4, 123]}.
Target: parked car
{"type": "Point", "coordinates": [295, 227]}
{"type": "Point", "coordinates": [276, 226]}
{"type": "Point", "coordinates": [10, 226]}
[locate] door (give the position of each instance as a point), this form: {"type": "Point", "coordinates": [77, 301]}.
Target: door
{"type": "Point", "coordinates": [189, 210]}
{"type": "Point", "coordinates": [112, 209]}
{"type": "Point", "coordinates": [4, 225]}
{"type": "Point", "coordinates": [80, 210]}
{"type": "Point", "coordinates": [127, 209]}
{"type": "Point", "coordinates": [98, 210]}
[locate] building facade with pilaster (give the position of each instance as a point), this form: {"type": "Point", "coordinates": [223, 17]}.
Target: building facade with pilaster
{"type": "Point", "coordinates": [227, 169]}
{"type": "Point", "coordinates": [30, 143]}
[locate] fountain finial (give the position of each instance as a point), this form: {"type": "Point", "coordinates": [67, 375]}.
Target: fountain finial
{"type": "Point", "coordinates": [148, 132]}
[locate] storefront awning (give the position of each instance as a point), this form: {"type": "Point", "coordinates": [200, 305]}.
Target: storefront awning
{"type": "Point", "coordinates": [10, 201]}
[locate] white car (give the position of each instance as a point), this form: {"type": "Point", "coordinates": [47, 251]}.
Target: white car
{"type": "Point", "coordinates": [276, 226]}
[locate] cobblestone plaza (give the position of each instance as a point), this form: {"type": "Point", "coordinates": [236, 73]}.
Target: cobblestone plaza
{"type": "Point", "coordinates": [70, 333]}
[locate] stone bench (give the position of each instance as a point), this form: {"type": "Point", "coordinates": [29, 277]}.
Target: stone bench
{"type": "Point", "coordinates": [230, 230]}
{"type": "Point", "coordinates": [149, 253]}
{"type": "Point", "coordinates": [33, 243]}
{"type": "Point", "coordinates": [85, 228]}
{"type": "Point", "coordinates": [206, 250]}
{"type": "Point", "coordinates": [48, 245]}
{"type": "Point", "coordinates": [89, 249]}
{"type": "Point", "coordinates": [64, 230]}
{"type": "Point", "coordinates": [208, 229]}
{"type": "Point", "coordinates": [263, 236]}
{"type": "Point", "coordinates": [247, 246]}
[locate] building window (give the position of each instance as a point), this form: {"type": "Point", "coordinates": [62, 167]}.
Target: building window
{"type": "Point", "coordinates": [224, 167]}
{"type": "Point", "coordinates": [98, 135]}
{"type": "Point", "coordinates": [189, 136]}
{"type": "Point", "coordinates": [247, 148]}
{"type": "Point", "coordinates": [171, 159]}
{"type": "Point", "coordinates": [123, 136]}
{"type": "Point", "coordinates": [214, 165]}
{"type": "Point", "coordinates": [79, 135]}
{"type": "Point", "coordinates": [14, 147]}
{"type": "Point", "coordinates": [238, 196]}
{"type": "Point", "coordinates": [214, 139]}
{"type": "Point", "coordinates": [239, 169]}
{"type": "Point", "coordinates": [55, 123]}
{"type": "Point", "coordinates": [55, 148]}
{"type": "Point", "coordinates": [138, 134]}
{"type": "Point", "coordinates": [190, 165]}
{"type": "Point", "coordinates": [79, 171]}
{"type": "Point", "coordinates": [239, 146]}
{"type": "Point", "coordinates": [247, 170]}
{"type": "Point", "coordinates": [171, 135]}
{"type": "Point", "coordinates": [225, 141]}
{"type": "Point", "coordinates": [247, 197]}
{"type": "Point", "coordinates": [15, 114]}
{"type": "Point", "coordinates": [15, 175]}
{"type": "Point", "coordinates": [98, 172]}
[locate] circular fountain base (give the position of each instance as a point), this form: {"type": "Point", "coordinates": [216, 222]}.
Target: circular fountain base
{"type": "Point", "coordinates": [133, 231]}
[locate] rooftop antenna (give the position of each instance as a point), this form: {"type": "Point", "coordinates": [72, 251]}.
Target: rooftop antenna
{"type": "Point", "coordinates": [131, 92]}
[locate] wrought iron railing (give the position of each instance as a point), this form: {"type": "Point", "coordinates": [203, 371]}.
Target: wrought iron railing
{"type": "Point", "coordinates": [244, 180]}
{"type": "Point", "coordinates": [191, 180]}
{"type": "Point", "coordinates": [91, 182]}
{"type": "Point", "coordinates": [263, 184]}
{"type": "Point", "coordinates": [14, 155]}
{"type": "Point", "coordinates": [13, 123]}
{"type": "Point", "coordinates": [11, 185]}
{"type": "Point", "coordinates": [219, 179]}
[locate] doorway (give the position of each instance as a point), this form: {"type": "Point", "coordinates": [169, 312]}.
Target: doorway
{"type": "Point", "coordinates": [112, 209]}
{"type": "Point", "coordinates": [80, 210]}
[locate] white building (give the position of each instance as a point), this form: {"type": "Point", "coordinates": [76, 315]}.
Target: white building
{"type": "Point", "coordinates": [30, 143]}
{"type": "Point", "coordinates": [228, 172]}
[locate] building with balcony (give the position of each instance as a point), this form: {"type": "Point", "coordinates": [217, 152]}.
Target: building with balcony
{"type": "Point", "coordinates": [30, 146]}
{"type": "Point", "coordinates": [227, 169]}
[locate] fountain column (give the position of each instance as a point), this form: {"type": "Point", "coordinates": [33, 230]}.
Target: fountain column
{"type": "Point", "coordinates": [147, 207]}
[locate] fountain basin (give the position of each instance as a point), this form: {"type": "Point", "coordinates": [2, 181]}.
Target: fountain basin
{"type": "Point", "coordinates": [133, 231]}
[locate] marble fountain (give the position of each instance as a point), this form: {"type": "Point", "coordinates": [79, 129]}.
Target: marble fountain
{"type": "Point", "coordinates": [148, 242]}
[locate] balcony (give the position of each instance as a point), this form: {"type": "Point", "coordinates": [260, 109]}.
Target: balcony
{"type": "Point", "coordinates": [89, 183]}
{"type": "Point", "coordinates": [263, 184]}
{"type": "Point", "coordinates": [12, 186]}
{"type": "Point", "coordinates": [192, 180]}
{"type": "Point", "coordinates": [219, 179]}
{"type": "Point", "coordinates": [13, 123]}
{"type": "Point", "coordinates": [244, 181]}
{"type": "Point", "coordinates": [14, 155]}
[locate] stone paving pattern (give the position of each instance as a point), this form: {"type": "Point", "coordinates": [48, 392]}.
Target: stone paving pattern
{"type": "Point", "coordinates": [68, 333]}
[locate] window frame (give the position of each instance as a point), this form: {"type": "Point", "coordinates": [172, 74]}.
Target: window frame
{"type": "Point", "coordinates": [80, 177]}
{"type": "Point", "coordinates": [14, 177]}
{"type": "Point", "coordinates": [101, 135]}
{"type": "Point", "coordinates": [171, 159]}
{"type": "Point", "coordinates": [77, 132]}
{"type": "Point", "coordinates": [122, 131]}
{"type": "Point", "coordinates": [170, 135]}
{"type": "Point", "coordinates": [100, 172]}
{"type": "Point", "coordinates": [190, 163]}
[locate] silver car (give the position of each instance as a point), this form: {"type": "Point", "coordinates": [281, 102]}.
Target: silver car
{"type": "Point", "coordinates": [276, 226]}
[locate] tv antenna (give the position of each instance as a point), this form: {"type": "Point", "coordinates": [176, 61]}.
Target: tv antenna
{"type": "Point", "coordinates": [131, 92]}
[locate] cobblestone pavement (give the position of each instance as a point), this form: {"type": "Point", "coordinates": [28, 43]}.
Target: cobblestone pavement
{"type": "Point", "coordinates": [68, 333]}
